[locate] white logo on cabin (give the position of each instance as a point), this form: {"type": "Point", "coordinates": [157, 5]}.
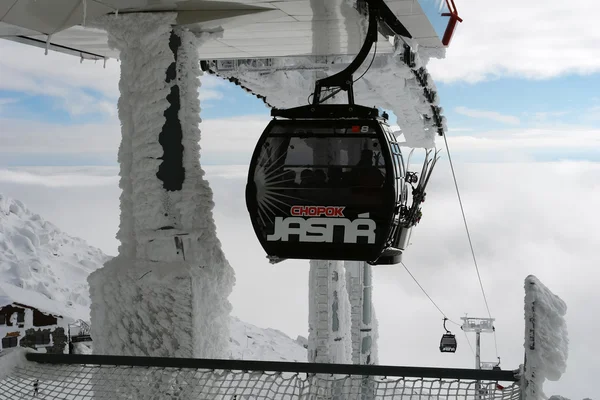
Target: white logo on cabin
{"type": "Point", "coordinates": [320, 230]}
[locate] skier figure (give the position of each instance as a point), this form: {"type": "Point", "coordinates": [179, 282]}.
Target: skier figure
{"type": "Point", "coordinates": [35, 388]}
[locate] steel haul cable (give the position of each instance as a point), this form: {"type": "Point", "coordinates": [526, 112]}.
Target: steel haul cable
{"type": "Point", "coordinates": [462, 210]}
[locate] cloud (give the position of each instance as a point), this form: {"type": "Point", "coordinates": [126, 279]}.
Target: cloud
{"type": "Point", "coordinates": [493, 115]}
{"type": "Point", "coordinates": [531, 40]}
{"type": "Point", "coordinates": [522, 220]}
{"type": "Point", "coordinates": [7, 100]}
{"type": "Point", "coordinates": [78, 88]}
{"type": "Point", "coordinates": [25, 69]}
{"type": "Point", "coordinates": [232, 141]}
{"type": "Point", "coordinates": [224, 141]}
{"type": "Point", "coordinates": [550, 142]}
{"type": "Point", "coordinates": [530, 139]}
{"type": "Point", "coordinates": [60, 177]}
{"type": "Point", "coordinates": [24, 136]}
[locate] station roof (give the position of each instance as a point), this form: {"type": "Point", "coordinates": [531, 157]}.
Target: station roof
{"type": "Point", "coordinates": [249, 28]}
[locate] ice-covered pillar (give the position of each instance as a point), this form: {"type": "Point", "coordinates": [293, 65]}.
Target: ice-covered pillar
{"type": "Point", "coordinates": [328, 313]}
{"type": "Point", "coordinates": [546, 339]}
{"type": "Point", "coordinates": [364, 326]}
{"type": "Point", "coordinates": [165, 294]}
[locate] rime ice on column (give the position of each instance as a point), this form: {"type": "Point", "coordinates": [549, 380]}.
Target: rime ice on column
{"type": "Point", "coordinates": [363, 329]}
{"type": "Point", "coordinates": [328, 313]}
{"type": "Point", "coordinates": [546, 337]}
{"type": "Point", "coordinates": [166, 292]}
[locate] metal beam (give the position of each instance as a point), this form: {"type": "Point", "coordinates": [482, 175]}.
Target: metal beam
{"type": "Point", "coordinates": [276, 366]}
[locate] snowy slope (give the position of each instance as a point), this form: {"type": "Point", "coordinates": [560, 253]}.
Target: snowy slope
{"type": "Point", "coordinates": [35, 256]}
{"type": "Point", "coordinates": [249, 342]}
{"type": "Point", "coordinates": [39, 262]}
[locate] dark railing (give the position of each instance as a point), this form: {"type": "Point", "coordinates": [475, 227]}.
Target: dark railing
{"type": "Point", "coordinates": [278, 366]}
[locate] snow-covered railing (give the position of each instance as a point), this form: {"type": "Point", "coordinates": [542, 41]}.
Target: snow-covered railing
{"type": "Point", "coordinates": [121, 377]}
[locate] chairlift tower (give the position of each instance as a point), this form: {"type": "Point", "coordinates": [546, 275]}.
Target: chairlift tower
{"type": "Point", "coordinates": [478, 325]}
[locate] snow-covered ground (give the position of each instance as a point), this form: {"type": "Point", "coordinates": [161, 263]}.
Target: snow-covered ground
{"type": "Point", "coordinates": [249, 342]}
{"type": "Point", "coordinates": [40, 263]}
{"type": "Point", "coordinates": [39, 260]}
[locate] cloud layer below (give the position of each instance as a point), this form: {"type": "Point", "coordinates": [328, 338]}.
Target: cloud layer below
{"type": "Point", "coordinates": [526, 218]}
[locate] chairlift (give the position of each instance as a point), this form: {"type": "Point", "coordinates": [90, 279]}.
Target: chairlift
{"type": "Point", "coordinates": [329, 182]}
{"type": "Point", "coordinates": [448, 342]}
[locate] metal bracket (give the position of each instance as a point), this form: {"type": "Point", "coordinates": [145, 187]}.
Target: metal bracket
{"type": "Point", "coordinates": [379, 13]}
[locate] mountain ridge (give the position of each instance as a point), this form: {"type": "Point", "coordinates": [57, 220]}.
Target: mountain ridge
{"type": "Point", "coordinates": [38, 259]}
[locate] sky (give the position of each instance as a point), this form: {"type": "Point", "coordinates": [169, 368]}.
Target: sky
{"type": "Point", "coordinates": [519, 90]}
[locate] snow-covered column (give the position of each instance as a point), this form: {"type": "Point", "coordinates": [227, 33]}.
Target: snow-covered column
{"type": "Point", "coordinates": [328, 312]}
{"type": "Point", "coordinates": [360, 288]}
{"type": "Point", "coordinates": [546, 338]}
{"type": "Point", "coordinates": [165, 294]}
{"type": "Point", "coordinates": [364, 325]}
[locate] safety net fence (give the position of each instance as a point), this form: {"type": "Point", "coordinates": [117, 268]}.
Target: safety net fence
{"type": "Point", "coordinates": [74, 377]}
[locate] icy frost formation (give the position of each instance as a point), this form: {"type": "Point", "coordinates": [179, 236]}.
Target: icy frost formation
{"type": "Point", "coordinates": [329, 339]}
{"type": "Point", "coordinates": [166, 292]}
{"type": "Point", "coordinates": [364, 324]}
{"type": "Point", "coordinates": [546, 337]}
{"type": "Point", "coordinates": [389, 84]}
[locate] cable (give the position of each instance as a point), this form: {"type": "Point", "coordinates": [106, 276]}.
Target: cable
{"type": "Point", "coordinates": [370, 64]}
{"type": "Point", "coordinates": [429, 297]}
{"type": "Point", "coordinates": [468, 341]}
{"type": "Point", "coordinates": [462, 210]}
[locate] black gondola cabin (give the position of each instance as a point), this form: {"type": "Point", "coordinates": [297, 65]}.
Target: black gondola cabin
{"type": "Point", "coordinates": [448, 343]}
{"type": "Point", "coordinates": [327, 188]}
{"type": "Point", "coordinates": [328, 182]}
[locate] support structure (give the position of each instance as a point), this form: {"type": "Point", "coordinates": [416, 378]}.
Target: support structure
{"type": "Point", "coordinates": [165, 294]}
{"type": "Point", "coordinates": [329, 338]}
{"type": "Point", "coordinates": [478, 325]}
{"type": "Point", "coordinates": [364, 324]}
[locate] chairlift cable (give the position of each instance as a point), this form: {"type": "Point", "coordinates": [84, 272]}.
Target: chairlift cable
{"type": "Point", "coordinates": [496, 343]}
{"type": "Point", "coordinates": [370, 64]}
{"type": "Point", "coordinates": [469, 342]}
{"type": "Point", "coordinates": [462, 210]}
{"type": "Point", "coordinates": [429, 297]}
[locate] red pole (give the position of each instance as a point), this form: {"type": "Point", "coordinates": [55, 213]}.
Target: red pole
{"type": "Point", "coordinates": [454, 18]}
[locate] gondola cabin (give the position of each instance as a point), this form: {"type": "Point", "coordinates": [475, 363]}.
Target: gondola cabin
{"type": "Point", "coordinates": [448, 343]}
{"type": "Point", "coordinates": [328, 182]}
{"type": "Point", "coordinates": [327, 188]}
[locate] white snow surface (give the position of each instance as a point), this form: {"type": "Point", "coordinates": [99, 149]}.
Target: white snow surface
{"type": "Point", "coordinates": [246, 340]}
{"type": "Point", "coordinates": [42, 266]}
{"type": "Point", "coordinates": [546, 337]}
{"type": "Point", "coordinates": [11, 359]}
{"type": "Point", "coordinates": [249, 342]}
{"type": "Point", "coordinates": [13, 294]}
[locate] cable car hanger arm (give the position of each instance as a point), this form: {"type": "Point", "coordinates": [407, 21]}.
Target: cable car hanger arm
{"type": "Point", "coordinates": [378, 12]}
